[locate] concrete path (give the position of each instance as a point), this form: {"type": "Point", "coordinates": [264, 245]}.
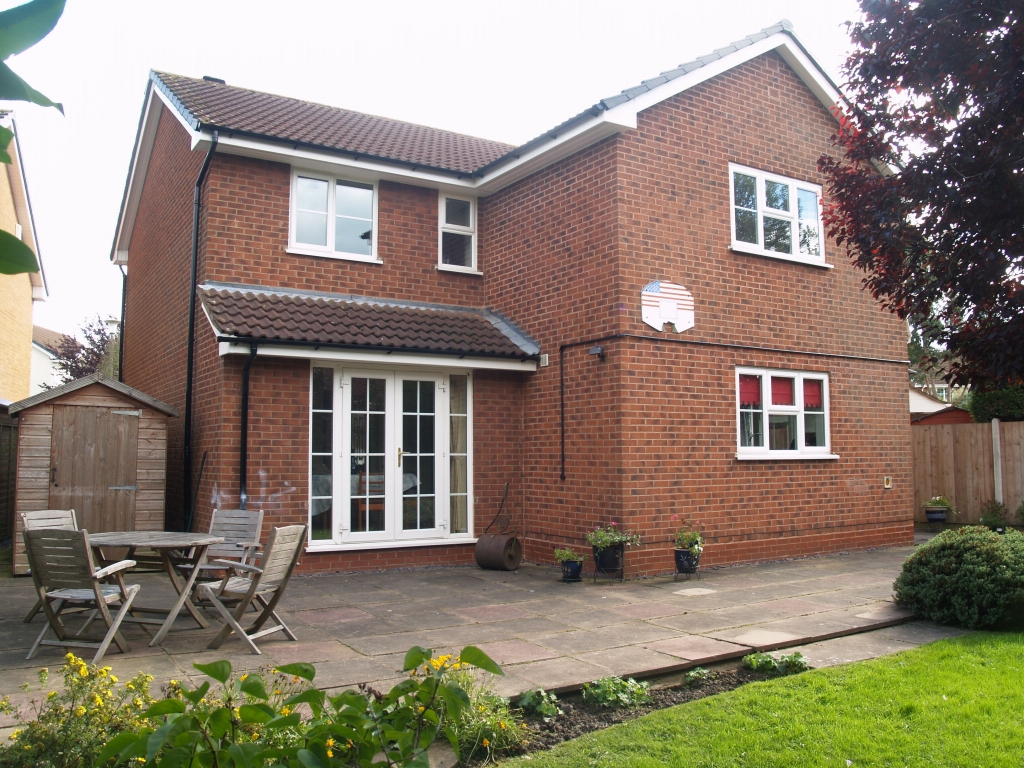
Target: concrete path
{"type": "Point", "coordinates": [356, 627]}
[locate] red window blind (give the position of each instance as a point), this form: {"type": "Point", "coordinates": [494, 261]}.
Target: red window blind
{"type": "Point", "coordinates": [813, 399]}
{"type": "Point", "coordinates": [782, 391]}
{"type": "Point", "coordinates": [750, 391]}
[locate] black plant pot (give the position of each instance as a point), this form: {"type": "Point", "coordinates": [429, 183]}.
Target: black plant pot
{"type": "Point", "coordinates": [609, 561]}
{"type": "Point", "coordinates": [935, 514]}
{"type": "Point", "coordinates": [686, 561]}
{"type": "Point", "coordinates": [572, 570]}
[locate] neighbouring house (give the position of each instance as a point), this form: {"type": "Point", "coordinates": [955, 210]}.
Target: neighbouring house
{"type": "Point", "coordinates": [18, 293]}
{"type": "Point", "coordinates": [635, 317]}
{"type": "Point", "coordinates": [925, 409]}
{"type": "Point", "coordinates": [45, 349]}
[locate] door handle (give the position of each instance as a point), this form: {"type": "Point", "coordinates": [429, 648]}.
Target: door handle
{"type": "Point", "coordinates": [399, 456]}
{"type": "Point", "coordinates": [53, 477]}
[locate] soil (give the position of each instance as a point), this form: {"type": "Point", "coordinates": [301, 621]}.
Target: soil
{"type": "Point", "coordinates": [582, 717]}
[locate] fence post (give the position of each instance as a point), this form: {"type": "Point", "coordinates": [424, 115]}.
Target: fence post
{"type": "Point", "coordinates": [997, 461]}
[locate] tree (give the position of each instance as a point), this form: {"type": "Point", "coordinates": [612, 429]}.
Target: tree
{"type": "Point", "coordinates": [98, 353]}
{"type": "Point", "coordinates": [21, 28]}
{"type": "Point", "coordinates": [938, 92]}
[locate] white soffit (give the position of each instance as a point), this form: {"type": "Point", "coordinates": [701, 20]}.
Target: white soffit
{"type": "Point", "coordinates": [379, 358]}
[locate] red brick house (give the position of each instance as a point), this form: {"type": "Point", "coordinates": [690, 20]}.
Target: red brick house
{"type": "Point", "coordinates": [632, 317]}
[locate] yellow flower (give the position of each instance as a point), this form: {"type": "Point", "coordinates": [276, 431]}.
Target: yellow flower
{"type": "Point", "coordinates": [329, 743]}
{"type": "Point", "coordinates": [330, 753]}
{"type": "Point", "coordinates": [295, 678]}
{"type": "Point", "coordinates": [113, 678]}
{"type": "Point", "coordinates": [14, 735]}
{"type": "Point", "coordinates": [173, 682]}
{"type": "Point", "coordinates": [277, 691]}
{"type": "Point", "coordinates": [487, 743]}
{"type": "Point", "coordinates": [286, 711]}
{"type": "Point", "coordinates": [79, 710]}
{"type": "Point", "coordinates": [97, 700]}
{"type": "Point", "coordinates": [83, 671]}
{"type": "Point", "coordinates": [237, 711]}
{"type": "Point", "coordinates": [243, 677]}
{"type": "Point", "coordinates": [501, 725]}
{"type": "Point", "coordinates": [129, 687]}
{"type": "Point", "coordinates": [137, 702]}
{"type": "Point", "coordinates": [51, 694]}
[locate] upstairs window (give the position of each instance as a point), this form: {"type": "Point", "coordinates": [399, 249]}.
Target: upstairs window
{"type": "Point", "coordinates": [457, 234]}
{"type": "Point", "coordinates": [781, 414]}
{"type": "Point", "coordinates": [775, 216]}
{"type": "Point", "coordinates": [333, 217]}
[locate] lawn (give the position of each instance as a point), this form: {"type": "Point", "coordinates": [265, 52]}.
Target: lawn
{"type": "Point", "coordinates": [952, 703]}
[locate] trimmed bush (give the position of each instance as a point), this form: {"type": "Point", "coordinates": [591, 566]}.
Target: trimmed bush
{"type": "Point", "coordinates": [968, 576]}
{"type": "Point", "coordinates": [1004, 404]}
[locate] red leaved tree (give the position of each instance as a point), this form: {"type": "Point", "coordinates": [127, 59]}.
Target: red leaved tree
{"type": "Point", "coordinates": [938, 87]}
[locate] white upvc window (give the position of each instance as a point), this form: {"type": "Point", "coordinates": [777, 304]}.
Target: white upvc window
{"type": "Point", "coordinates": [456, 235]}
{"type": "Point", "coordinates": [390, 457]}
{"type": "Point", "coordinates": [782, 414]}
{"type": "Point", "coordinates": [775, 216]}
{"type": "Point", "coordinates": [332, 217]}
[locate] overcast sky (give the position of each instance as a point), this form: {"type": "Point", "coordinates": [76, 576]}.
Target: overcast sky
{"type": "Point", "coordinates": [505, 71]}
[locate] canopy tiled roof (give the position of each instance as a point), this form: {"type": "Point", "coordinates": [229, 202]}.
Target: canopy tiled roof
{"type": "Point", "coordinates": [253, 313]}
{"type": "Point", "coordinates": [212, 104]}
{"type": "Point", "coordinates": [46, 338]}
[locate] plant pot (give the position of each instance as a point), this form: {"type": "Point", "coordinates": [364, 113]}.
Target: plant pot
{"type": "Point", "coordinates": [686, 561]}
{"type": "Point", "coordinates": [609, 561]}
{"type": "Point", "coordinates": [572, 570]}
{"type": "Point", "coordinates": [935, 514]}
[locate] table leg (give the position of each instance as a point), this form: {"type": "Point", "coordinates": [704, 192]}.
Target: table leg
{"type": "Point", "coordinates": [184, 593]}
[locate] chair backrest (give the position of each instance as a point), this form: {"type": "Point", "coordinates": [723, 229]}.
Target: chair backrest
{"type": "Point", "coordinates": [58, 519]}
{"type": "Point", "coordinates": [237, 527]}
{"type": "Point", "coordinates": [281, 555]}
{"type": "Point", "coordinates": [60, 559]}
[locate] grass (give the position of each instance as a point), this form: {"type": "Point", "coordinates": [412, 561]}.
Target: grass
{"type": "Point", "coordinates": [952, 703]}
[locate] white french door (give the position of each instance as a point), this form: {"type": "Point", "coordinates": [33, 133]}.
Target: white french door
{"type": "Point", "coordinates": [393, 434]}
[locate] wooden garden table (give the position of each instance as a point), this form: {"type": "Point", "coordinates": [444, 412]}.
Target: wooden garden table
{"type": "Point", "coordinates": [174, 549]}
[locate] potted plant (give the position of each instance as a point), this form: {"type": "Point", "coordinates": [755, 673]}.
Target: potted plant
{"type": "Point", "coordinates": [937, 508]}
{"type": "Point", "coordinates": [572, 564]}
{"type": "Point", "coordinates": [609, 545]}
{"type": "Point", "coordinates": [689, 545]}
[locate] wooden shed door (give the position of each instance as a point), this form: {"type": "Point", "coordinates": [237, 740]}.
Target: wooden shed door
{"type": "Point", "coordinates": [93, 459]}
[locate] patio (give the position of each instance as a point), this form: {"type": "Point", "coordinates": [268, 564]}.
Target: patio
{"type": "Point", "coordinates": [357, 627]}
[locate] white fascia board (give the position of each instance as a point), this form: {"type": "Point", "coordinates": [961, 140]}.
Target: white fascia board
{"type": "Point", "coordinates": [137, 173]}
{"type": "Point", "coordinates": [380, 358]}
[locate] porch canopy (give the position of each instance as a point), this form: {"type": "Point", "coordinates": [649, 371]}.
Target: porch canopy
{"type": "Point", "coordinates": [287, 323]}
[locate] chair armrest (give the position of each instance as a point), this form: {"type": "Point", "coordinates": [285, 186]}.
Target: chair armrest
{"type": "Point", "coordinates": [228, 564]}
{"type": "Point", "coordinates": [110, 570]}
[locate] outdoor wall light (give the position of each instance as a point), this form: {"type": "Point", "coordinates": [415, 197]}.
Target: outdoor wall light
{"type": "Point", "coordinates": [599, 351]}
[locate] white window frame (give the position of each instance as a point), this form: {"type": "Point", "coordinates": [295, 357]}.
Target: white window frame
{"type": "Point", "coordinates": [792, 215]}
{"type": "Point", "coordinates": [305, 249]}
{"type": "Point", "coordinates": [393, 536]}
{"type": "Point", "coordinates": [443, 226]}
{"type": "Point", "coordinates": [767, 409]}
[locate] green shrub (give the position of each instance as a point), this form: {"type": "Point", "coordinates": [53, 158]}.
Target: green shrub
{"type": "Point", "coordinates": [488, 726]}
{"type": "Point", "coordinates": [1020, 512]}
{"type": "Point", "coordinates": [698, 676]}
{"type": "Point", "coordinates": [783, 665]}
{"type": "Point", "coordinates": [616, 692]}
{"type": "Point", "coordinates": [970, 576]}
{"type": "Point", "coordinates": [568, 555]}
{"type": "Point", "coordinates": [994, 514]}
{"type": "Point", "coordinates": [540, 703]}
{"type": "Point", "coordinates": [1005, 404]}
{"type": "Point", "coordinates": [72, 725]}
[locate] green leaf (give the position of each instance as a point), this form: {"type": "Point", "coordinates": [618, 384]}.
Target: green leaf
{"type": "Point", "coordinates": [453, 739]}
{"type": "Point", "coordinates": [284, 721]}
{"type": "Point", "coordinates": [455, 699]}
{"type": "Point", "coordinates": [15, 255]}
{"type": "Point", "coordinates": [25, 25]}
{"type": "Point", "coordinates": [244, 754]}
{"type": "Point", "coordinates": [313, 697]}
{"type": "Point", "coordinates": [197, 693]}
{"type": "Point", "coordinates": [416, 656]}
{"type": "Point", "coordinates": [308, 759]}
{"type": "Point", "coordinates": [253, 686]}
{"type": "Point", "coordinates": [175, 758]}
{"type": "Point", "coordinates": [116, 746]}
{"type": "Point", "coordinates": [477, 658]}
{"type": "Point", "coordinates": [163, 734]}
{"type": "Point", "coordinates": [255, 713]}
{"type": "Point", "coordinates": [218, 670]}
{"type": "Point", "coordinates": [165, 707]}
{"type": "Point", "coordinates": [13, 88]}
{"type": "Point", "coordinates": [219, 721]}
{"type": "Point", "coordinates": [299, 669]}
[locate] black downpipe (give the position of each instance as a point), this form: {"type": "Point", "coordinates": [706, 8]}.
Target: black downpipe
{"type": "Point", "coordinates": [244, 457]}
{"type": "Point", "coordinates": [120, 328]}
{"type": "Point", "coordinates": [190, 342]}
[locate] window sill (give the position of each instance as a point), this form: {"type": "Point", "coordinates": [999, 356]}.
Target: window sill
{"type": "Point", "coordinates": [297, 251]}
{"type": "Point", "coordinates": [332, 546]}
{"type": "Point", "coordinates": [753, 250]}
{"type": "Point", "coordinates": [780, 456]}
{"type": "Point", "coordinates": [458, 270]}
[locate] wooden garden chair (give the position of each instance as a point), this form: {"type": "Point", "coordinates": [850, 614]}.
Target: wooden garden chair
{"type": "Point", "coordinates": [65, 575]}
{"type": "Point", "coordinates": [240, 529]}
{"type": "Point", "coordinates": [54, 519]}
{"type": "Point", "coordinates": [265, 585]}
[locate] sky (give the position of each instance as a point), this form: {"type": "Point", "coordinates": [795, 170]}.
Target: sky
{"type": "Point", "coordinates": [506, 71]}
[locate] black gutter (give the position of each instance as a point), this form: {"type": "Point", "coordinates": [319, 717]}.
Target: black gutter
{"type": "Point", "coordinates": [691, 342]}
{"type": "Point", "coordinates": [190, 341]}
{"type": "Point", "coordinates": [244, 457]}
{"type": "Point", "coordinates": [370, 348]}
{"type": "Point", "coordinates": [120, 329]}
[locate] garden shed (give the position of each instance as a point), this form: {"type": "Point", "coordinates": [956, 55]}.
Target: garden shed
{"type": "Point", "coordinates": [94, 445]}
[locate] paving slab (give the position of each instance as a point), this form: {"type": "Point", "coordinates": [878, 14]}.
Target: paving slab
{"type": "Point", "coordinates": [630, 660]}
{"type": "Point", "coordinates": [699, 648]}
{"type": "Point", "coordinates": [516, 652]}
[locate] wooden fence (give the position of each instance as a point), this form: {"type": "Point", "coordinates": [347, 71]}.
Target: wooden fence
{"type": "Point", "coordinates": [956, 461]}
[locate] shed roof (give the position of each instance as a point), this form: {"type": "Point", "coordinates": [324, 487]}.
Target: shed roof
{"type": "Point", "coordinates": [85, 381]}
